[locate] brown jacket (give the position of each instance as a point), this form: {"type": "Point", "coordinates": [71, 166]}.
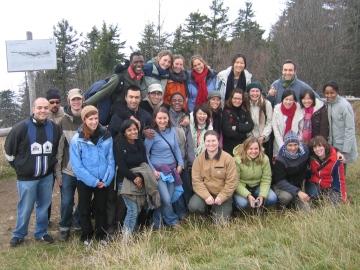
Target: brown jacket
{"type": "Point", "coordinates": [217, 176]}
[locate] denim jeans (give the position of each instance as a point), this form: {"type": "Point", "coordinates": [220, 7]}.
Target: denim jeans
{"type": "Point", "coordinates": [315, 192]}
{"type": "Point", "coordinates": [68, 188]}
{"type": "Point", "coordinates": [166, 210]}
{"type": "Point", "coordinates": [131, 216]}
{"type": "Point", "coordinates": [31, 192]}
{"type": "Point", "coordinates": [242, 202]}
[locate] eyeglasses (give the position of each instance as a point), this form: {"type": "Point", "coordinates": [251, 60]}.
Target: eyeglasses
{"type": "Point", "coordinates": [54, 102]}
{"type": "Point", "coordinates": [156, 93]}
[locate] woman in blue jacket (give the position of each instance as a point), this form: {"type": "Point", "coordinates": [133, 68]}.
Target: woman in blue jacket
{"type": "Point", "coordinates": [91, 157]}
{"type": "Point", "coordinates": [201, 81]}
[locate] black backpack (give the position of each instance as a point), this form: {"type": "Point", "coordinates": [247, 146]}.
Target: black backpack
{"type": "Point", "coordinates": [105, 105]}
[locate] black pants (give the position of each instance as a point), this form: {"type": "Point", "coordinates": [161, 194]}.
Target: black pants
{"type": "Point", "coordinates": [115, 208]}
{"type": "Point", "coordinates": [100, 198]}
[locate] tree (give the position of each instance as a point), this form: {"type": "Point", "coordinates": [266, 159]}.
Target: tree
{"type": "Point", "coordinates": [193, 33]}
{"type": "Point", "coordinates": [217, 25]}
{"type": "Point", "coordinates": [9, 109]}
{"type": "Point", "coordinates": [148, 41]}
{"type": "Point", "coordinates": [66, 52]}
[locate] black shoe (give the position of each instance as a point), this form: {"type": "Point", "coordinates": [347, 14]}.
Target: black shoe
{"type": "Point", "coordinates": [63, 236]}
{"type": "Point", "coordinates": [46, 239]}
{"type": "Point", "coordinates": [15, 241]}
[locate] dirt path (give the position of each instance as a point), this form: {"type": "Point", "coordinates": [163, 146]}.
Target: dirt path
{"type": "Point", "coordinates": [8, 203]}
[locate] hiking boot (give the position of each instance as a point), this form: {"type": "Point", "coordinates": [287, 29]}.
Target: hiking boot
{"type": "Point", "coordinates": [46, 239]}
{"type": "Point", "coordinates": [183, 220]}
{"type": "Point", "coordinates": [63, 236]}
{"type": "Point", "coordinates": [176, 226]}
{"type": "Point", "coordinates": [15, 241]}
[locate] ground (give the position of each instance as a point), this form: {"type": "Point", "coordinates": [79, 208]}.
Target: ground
{"type": "Point", "coordinates": [8, 202]}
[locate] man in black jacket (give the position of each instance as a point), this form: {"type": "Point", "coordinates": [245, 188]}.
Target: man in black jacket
{"type": "Point", "coordinates": [31, 148]}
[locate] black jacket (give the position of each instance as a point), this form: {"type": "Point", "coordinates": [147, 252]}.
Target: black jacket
{"type": "Point", "coordinates": [244, 124]}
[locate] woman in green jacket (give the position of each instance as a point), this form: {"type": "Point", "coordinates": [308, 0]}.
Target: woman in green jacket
{"type": "Point", "coordinates": [254, 175]}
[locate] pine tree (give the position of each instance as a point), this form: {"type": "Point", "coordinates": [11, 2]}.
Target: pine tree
{"type": "Point", "coordinates": [9, 109]}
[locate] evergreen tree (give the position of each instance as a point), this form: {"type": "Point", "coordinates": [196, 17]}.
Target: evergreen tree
{"type": "Point", "coordinates": [193, 33]}
{"type": "Point", "coordinates": [9, 109]}
{"type": "Point", "coordinates": [147, 45]}
{"type": "Point", "coordinates": [217, 25]}
{"type": "Point", "coordinates": [66, 52]}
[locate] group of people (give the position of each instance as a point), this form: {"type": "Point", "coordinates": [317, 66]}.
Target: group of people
{"type": "Point", "coordinates": [178, 142]}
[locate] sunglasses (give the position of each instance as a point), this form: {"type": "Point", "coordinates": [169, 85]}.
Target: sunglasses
{"type": "Point", "coordinates": [54, 102]}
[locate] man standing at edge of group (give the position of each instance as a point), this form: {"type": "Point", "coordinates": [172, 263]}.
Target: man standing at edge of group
{"type": "Point", "coordinates": [133, 75]}
{"type": "Point", "coordinates": [56, 110]}
{"type": "Point", "coordinates": [31, 148]}
{"type": "Point", "coordinates": [288, 80]}
{"type": "Point", "coordinates": [64, 173]}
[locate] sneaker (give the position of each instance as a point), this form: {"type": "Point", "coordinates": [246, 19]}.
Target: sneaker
{"type": "Point", "coordinates": [63, 236]}
{"type": "Point", "coordinates": [183, 220]}
{"type": "Point", "coordinates": [176, 226]}
{"type": "Point", "coordinates": [15, 241]}
{"type": "Point", "coordinates": [77, 227]}
{"type": "Point", "coordinates": [87, 242]}
{"type": "Point", "coordinates": [103, 242]}
{"type": "Point", "coordinates": [46, 239]}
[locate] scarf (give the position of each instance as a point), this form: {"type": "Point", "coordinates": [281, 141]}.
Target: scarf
{"type": "Point", "coordinates": [199, 79]}
{"type": "Point", "coordinates": [286, 83]}
{"type": "Point", "coordinates": [216, 120]}
{"type": "Point", "coordinates": [285, 153]}
{"type": "Point", "coordinates": [198, 139]}
{"type": "Point", "coordinates": [178, 77]}
{"type": "Point", "coordinates": [307, 130]}
{"type": "Point", "coordinates": [241, 83]}
{"type": "Point", "coordinates": [289, 112]}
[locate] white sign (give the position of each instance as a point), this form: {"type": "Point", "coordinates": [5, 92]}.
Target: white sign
{"type": "Point", "coordinates": [28, 55]}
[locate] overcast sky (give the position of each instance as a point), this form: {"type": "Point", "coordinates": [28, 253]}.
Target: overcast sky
{"type": "Point", "coordinates": [39, 17]}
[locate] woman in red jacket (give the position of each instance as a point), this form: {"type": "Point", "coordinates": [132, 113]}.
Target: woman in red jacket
{"type": "Point", "coordinates": [327, 172]}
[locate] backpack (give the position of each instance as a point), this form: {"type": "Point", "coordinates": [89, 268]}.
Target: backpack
{"type": "Point", "coordinates": [104, 106]}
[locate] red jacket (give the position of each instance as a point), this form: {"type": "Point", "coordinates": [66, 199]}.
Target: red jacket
{"type": "Point", "coordinates": [329, 174]}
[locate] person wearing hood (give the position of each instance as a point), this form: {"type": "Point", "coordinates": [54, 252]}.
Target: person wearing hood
{"type": "Point", "coordinates": [254, 176]}
{"type": "Point", "coordinates": [288, 80]}
{"type": "Point", "coordinates": [234, 76]}
{"type": "Point", "coordinates": [92, 159]}
{"type": "Point", "coordinates": [177, 82]}
{"type": "Point", "coordinates": [290, 169]}
{"type": "Point", "coordinates": [64, 173]}
{"type": "Point", "coordinates": [201, 81]}
{"type": "Point", "coordinates": [157, 70]}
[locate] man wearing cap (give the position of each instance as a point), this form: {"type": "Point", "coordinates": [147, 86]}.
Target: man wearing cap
{"type": "Point", "coordinates": [288, 80]}
{"type": "Point", "coordinates": [56, 110]}
{"type": "Point", "coordinates": [65, 176]}
{"type": "Point", "coordinates": [31, 148]}
{"type": "Point", "coordinates": [153, 99]}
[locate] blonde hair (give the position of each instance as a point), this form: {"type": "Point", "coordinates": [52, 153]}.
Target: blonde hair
{"type": "Point", "coordinates": [242, 149]}
{"type": "Point", "coordinates": [197, 57]}
{"type": "Point", "coordinates": [162, 54]}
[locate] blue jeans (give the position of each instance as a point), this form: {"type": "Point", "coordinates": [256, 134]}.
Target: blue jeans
{"type": "Point", "coordinates": [242, 202]}
{"type": "Point", "coordinates": [31, 192]}
{"type": "Point", "coordinates": [315, 192]}
{"type": "Point", "coordinates": [131, 216]}
{"type": "Point", "coordinates": [68, 188]}
{"type": "Point", "coordinates": [166, 210]}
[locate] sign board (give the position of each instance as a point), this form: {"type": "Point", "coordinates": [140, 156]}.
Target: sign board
{"type": "Point", "coordinates": [28, 55]}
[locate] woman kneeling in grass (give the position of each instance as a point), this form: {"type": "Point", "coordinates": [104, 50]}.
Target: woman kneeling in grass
{"type": "Point", "coordinates": [327, 172]}
{"type": "Point", "coordinates": [214, 179]}
{"type": "Point", "coordinates": [254, 175]}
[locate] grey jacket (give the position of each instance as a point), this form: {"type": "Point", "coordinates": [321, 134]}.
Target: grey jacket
{"type": "Point", "coordinates": [342, 128]}
{"type": "Point", "coordinates": [184, 138]}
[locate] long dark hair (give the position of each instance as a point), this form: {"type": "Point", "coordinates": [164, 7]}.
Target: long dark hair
{"type": "Point", "coordinates": [122, 139]}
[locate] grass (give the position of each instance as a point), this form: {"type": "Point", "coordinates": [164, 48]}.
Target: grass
{"type": "Point", "coordinates": [326, 238]}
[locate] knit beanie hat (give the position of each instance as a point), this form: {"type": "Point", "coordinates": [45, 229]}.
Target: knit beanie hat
{"type": "Point", "coordinates": [254, 85]}
{"type": "Point", "coordinates": [290, 137]}
{"type": "Point", "coordinates": [214, 93]}
{"type": "Point", "coordinates": [86, 110]}
{"type": "Point", "coordinates": [53, 93]}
